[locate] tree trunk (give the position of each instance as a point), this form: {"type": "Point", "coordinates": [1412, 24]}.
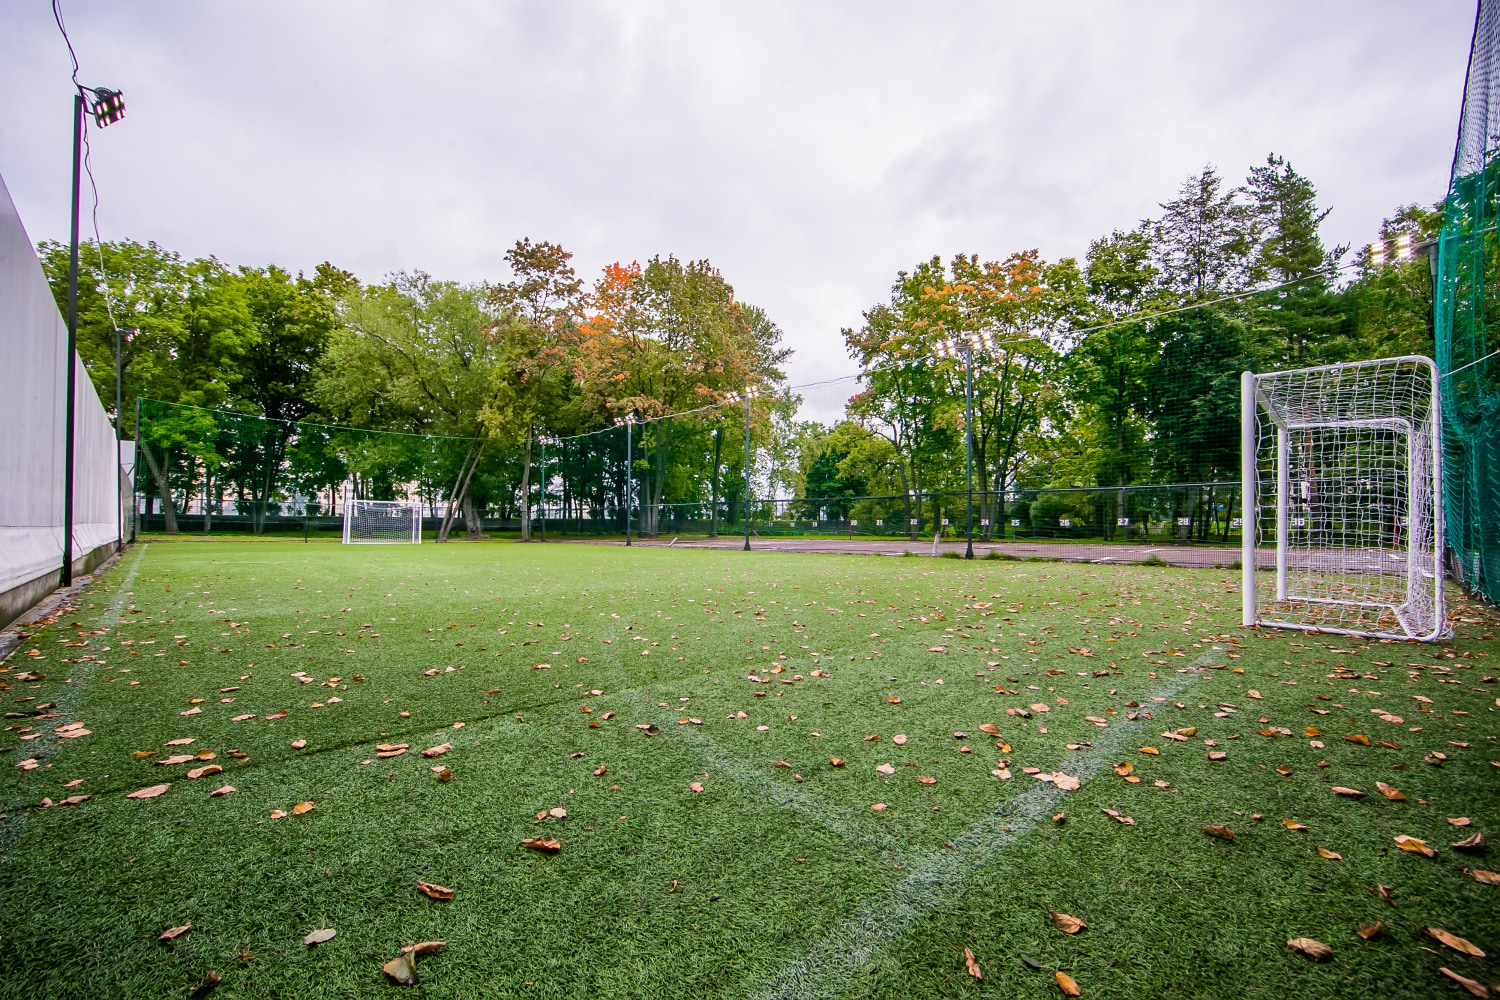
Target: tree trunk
{"type": "Point", "coordinates": [473, 524]}
{"type": "Point", "coordinates": [167, 507]}
{"type": "Point", "coordinates": [208, 510]}
{"type": "Point", "coordinates": [460, 489]}
{"type": "Point", "coordinates": [526, 489]}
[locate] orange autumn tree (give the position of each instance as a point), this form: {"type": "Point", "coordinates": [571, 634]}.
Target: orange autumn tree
{"type": "Point", "coordinates": [534, 319]}
{"type": "Point", "coordinates": [666, 339]}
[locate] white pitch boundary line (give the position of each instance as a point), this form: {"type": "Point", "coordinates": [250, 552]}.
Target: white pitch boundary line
{"type": "Point", "coordinates": [839, 820]}
{"type": "Point", "coordinates": [846, 952]}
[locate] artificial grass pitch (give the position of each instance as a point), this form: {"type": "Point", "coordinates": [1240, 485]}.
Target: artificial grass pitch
{"type": "Point", "coordinates": [541, 664]}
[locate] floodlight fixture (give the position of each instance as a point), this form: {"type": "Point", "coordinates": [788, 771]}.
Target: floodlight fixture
{"type": "Point", "coordinates": [1377, 254]}
{"type": "Point", "coordinates": [108, 106]}
{"type": "Point", "coordinates": [1403, 246]}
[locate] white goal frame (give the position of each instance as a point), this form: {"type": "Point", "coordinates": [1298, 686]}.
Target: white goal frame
{"type": "Point", "coordinates": [1342, 467]}
{"type": "Point", "coordinates": [382, 522]}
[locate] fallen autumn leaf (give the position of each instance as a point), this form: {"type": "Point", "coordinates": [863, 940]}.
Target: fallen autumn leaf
{"type": "Point", "coordinates": [1070, 925]}
{"type": "Point", "coordinates": [1474, 988]}
{"type": "Point", "coordinates": [1455, 942]}
{"type": "Point", "coordinates": [1315, 950]}
{"type": "Point", "coordinates": [1414, 845]}
{"type": "Point", "coordinates": [148, 793]}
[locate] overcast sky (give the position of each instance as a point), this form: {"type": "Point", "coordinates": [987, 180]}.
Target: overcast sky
{"type": "Point", "coordinates": [810, 150]}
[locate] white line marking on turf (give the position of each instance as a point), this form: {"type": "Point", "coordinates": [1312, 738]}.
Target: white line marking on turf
{"type": "Point", "coordinates": [846, 952]}
{"type": "Point", "coordinates": [839, 820]}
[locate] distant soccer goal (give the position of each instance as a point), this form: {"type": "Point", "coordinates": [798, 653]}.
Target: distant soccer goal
{"type": "Point", "coordinates": [382, 522]}
{"type": "Point", "coordinates": [1343, 482]}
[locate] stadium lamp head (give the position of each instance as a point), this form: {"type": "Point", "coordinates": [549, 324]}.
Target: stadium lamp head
{"type": "Point", "coordinates": [108, 106]}
{"type": "Point", "coordinates": [1377, 254]}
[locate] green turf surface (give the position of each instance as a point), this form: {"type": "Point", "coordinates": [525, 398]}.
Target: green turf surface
{"type": "Point", "coordinates": [781, 887]}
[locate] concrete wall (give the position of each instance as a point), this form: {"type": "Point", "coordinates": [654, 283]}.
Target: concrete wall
{"type": "Point", "coordinates": [33, 395]}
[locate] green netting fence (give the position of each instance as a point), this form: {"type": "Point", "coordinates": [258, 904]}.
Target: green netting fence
{"type": "Point", "coordinates": [1466, 307]}
{"type": "Point", "coordinates": [216, 471]}
{"type": "Point", "coordinates": [1113, 441]}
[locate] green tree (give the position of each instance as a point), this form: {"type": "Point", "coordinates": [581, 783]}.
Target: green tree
{"type": "Point", "coordinates": [1204, 242]}
{"type": "Point", "coordinates": [416, 355]}
{"type": "Point", "coordinates": [186, 329]}
{"type": "Point", "coordinates": [535, 318]}
{"type": "Point", "coordinates": [1298, 322]}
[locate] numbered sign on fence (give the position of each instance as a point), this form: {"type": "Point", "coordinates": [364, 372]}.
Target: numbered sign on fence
{"type": "Point", "coordinates": [1122, 522]}
{"type": "Point", "coordinates": [1183, 522]}
{"type": "Point", "coordinates": [1065, 522]}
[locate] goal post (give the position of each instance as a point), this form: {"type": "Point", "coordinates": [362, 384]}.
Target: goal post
{"type": "Point", "coordinates": [1342, 479]}
{"type": "Point", "coordinates": [382, 522]}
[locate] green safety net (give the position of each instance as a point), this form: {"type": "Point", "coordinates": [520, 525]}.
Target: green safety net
{"type": "Point", "coordinates": [208, 470]}
{"type": "Point", "coordinates": [1466, 307]}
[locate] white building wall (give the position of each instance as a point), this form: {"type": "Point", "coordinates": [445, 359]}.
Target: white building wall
{"type": "Point", "coordinates": [33, 394]}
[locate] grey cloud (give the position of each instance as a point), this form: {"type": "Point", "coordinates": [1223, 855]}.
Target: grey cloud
{"type": "Point", "coordinates": [809, 150]}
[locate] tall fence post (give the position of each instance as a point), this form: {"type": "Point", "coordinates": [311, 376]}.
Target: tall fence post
{"type": "Point", "coordinates": [748, 394]}
{"type": "Point", "coordinates": [629, 473]}
{"type": "Point", "coordinates": [969, 445]}
{"type": "Point", "coordinates": [1250, 504]}
{"type": "Point", "coordinates": [135, 474]}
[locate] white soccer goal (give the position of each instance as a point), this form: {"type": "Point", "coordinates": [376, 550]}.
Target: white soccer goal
{"type": "Point", "coordinates": [387, 522]}
{"type": "Point", "coordinates": [1343, 482]}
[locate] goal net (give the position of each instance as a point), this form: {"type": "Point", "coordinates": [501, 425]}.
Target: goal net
{"type": "Point", "coordinates": [1343, 494]}
{"type": "Point", "coordinates": [390, 522]}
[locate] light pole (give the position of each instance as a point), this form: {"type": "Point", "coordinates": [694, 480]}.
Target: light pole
{"type": "Point", "coordinates": [748, 395]}
{"type": "Point", "coordinates": [108, 107]}
{"type": "Point", "coordinates": [119, 471]}
{"type": "Point", "coordinates": [629, 422]}
{"type": "Point", "coordinates": [964, 347]}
